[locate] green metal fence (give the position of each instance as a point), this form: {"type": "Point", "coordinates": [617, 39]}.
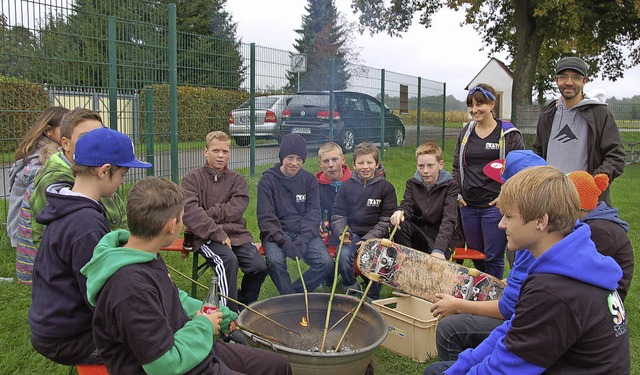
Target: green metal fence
{"type": "Point", "coordinates": [165, 87]}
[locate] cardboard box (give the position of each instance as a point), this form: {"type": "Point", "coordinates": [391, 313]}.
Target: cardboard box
{"type": "Point", "coordinates": [412, 327]}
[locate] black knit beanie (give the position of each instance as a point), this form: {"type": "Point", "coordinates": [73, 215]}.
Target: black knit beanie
{"type": "Point", "coordinates": [293, 144]}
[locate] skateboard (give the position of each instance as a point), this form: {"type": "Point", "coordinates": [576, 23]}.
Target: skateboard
{"type": "Point", "coordinates": [422, 275]}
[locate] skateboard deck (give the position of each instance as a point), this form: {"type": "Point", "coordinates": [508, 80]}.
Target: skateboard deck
{"type": "Point", "coordinates": [422, 275]}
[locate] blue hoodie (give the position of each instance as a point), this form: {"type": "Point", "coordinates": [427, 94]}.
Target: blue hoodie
{"type": "Point", "coordinates": [493, 355]}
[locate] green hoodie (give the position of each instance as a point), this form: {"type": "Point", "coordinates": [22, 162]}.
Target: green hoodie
{"type": "Point", "coordinates": [192, 342]}
{"type": "Point", "coordinates": [57, 168]}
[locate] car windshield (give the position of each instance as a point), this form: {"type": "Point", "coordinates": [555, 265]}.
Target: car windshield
{"type": "Point", "coordinates": [310, 100]}
{"type": "Point", "coordinates": [262, 102]}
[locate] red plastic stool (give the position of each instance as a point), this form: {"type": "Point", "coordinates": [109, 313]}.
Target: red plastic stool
{"type": "Point", "coordinates": [462, 253]}
{"type": "Point", "coordinates": [92, 370]}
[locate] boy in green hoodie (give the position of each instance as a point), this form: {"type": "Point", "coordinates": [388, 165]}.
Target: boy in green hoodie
{"type": "Point", "coordinates": [57, 168]}
{"type": "Point", "coordinates": [142, 322]}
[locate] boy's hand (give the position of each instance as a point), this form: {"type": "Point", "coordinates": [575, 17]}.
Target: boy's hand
{"type": "Point", "coordinates": [493, 202]}
{"type": "Point", "coordinates": [438, 255]}
{"type": "Point", "coordinates": [227, 241]}
{"type": "Point", "coordinates": [462, 203]}
{"type": "Point", "coordinates": [347, 238]}
{"type": "Point", "coordinates": [397, 218]}
{"type": "Point", "coordinates": [215, 319]}
{"type": "Point", "coordinates": [446, 305]}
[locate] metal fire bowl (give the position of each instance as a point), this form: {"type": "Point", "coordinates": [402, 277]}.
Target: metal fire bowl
{"type": "Point", "coordinates": [366, 333]}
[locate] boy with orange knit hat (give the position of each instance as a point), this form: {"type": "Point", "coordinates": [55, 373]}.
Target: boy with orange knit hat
{"type": "Point", "coordinates": [608, 231]}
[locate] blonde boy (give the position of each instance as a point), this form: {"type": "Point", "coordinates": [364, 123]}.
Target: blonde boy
{"type": "Point", "coordinates": [428, 213]}
{"type": "Point", "coordinates": [215, 200]}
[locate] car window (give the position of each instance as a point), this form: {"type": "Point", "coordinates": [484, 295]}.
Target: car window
{"type": "Point", "coordinates": [373, 106]}
{"type": "Point", "coordinates": [304, 100]}
{"type": "Point", "coordinates": [262, 102]}
{"type": "Point", "coordinates": [352, 103]}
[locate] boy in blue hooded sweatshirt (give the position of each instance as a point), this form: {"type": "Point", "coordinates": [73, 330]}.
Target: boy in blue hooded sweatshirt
{"type": "Point", "coordinates": [569, 317]}
{"type": "Point", "coordinates": [465, 324]}
{"type": "Point", "coordinates": [143, 323]}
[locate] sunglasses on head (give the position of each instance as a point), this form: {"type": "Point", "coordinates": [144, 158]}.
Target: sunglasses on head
{"type": "Point", "coordinates": [487, 94]}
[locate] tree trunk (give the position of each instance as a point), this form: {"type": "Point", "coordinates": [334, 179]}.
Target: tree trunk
{"type": "Point", "coordinates": [529, 41]}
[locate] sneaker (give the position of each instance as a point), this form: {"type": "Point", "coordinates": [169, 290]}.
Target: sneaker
{"type": "Point", "coordinates": [236, 337]}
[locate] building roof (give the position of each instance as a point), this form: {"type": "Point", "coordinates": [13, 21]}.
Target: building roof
{"type": "Point", "coordinates": [500, 63]}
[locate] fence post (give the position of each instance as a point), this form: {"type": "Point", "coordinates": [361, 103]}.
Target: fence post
{"type": "Point", "coordinates": [113, 78]}
{"type": "Point", "coordinates": [173, 91]}
{"type": "Point", "coordinates": [149, 134]}
{"type": "Point", "coordinates": [383, 112]}
{"type": "Point", "coordinates": [444, 111]}
{"type": "Point", "coordinates": [252, 110]}
{"type": "Point", "coordinates": [419, 110]}
{"type": "Point", "coordinates": [332, 104]}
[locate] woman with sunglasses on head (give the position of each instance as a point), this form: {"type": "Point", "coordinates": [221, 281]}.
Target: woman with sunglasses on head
{"type": "Point", "coordinates": [484, 139]}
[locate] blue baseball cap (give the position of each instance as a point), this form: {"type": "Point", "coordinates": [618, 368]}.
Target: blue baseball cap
{"type": "Point", "coordinates": [503, 169]}
{"type": "Point", "coordinates": [106, 146]}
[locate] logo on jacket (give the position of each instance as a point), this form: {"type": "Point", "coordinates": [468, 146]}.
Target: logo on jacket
{"type": "Point", "coordinates": [616, 307]}
{"type": "Point", "coordinates": [373, 202]}
{"type": "Point", "coordinates": [301, 198]}
{"type": "Point", "coordinates": [565, 135]}
{"type": "Point", "coordinates": [491, 146]}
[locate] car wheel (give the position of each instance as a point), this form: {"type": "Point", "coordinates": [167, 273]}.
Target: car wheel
{"type": "Point", "coordinates": [398, 138]}
{"type": "Point", "coordinates": [242, 141]}
{"type": "Point", "coordinates": [348, 140]}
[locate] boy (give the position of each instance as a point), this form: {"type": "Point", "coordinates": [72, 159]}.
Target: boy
{"type": "Point", "coordinates": [608, 231]}
{"type": "Point", "coordinates": [59, 315]}
{"type": "Point", "coordinates": [364, 203]}
{"type": "Point", "coordinates": [215, 200]}
{"type": "Point", "coordinates": [288, 217]}
{"type": "Point", "coordinates": [465, 324]}
{"type": "Point", "coordinates": [334, 172]}
{"type": "Point", "coordinates": [58, 168]}
{"type": "Point", "coordinates": [429, 210]}
{"type": "Point", "coordinates": [143, 323]}
{"type": "Point", "coordinates": [569, 317]}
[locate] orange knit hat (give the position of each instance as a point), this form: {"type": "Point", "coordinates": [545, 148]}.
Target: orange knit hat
{"type": "Point", "coordinates": [589, 187]}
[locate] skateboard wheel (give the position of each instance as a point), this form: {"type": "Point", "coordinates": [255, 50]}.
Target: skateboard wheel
{"type": "Point", "coordinates": [474, 272]}
{"type": "Point", "coordinates": [386, 242]}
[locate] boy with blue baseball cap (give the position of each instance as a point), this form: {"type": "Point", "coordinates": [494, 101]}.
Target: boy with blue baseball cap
{"type": "Point", "coordinates": [59, 315]}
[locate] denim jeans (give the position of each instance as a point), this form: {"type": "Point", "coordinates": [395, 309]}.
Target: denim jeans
{"type": "Point", "coordinates": [457, 333]}
{"type": "Point", "coordinates": [317, 257]}
{"type": "Point", "coordinates": [481, 233]}
{"type": "Point", "coordinates": [346, 270]}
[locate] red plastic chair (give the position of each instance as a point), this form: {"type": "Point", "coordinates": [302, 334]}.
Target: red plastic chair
{"type": "Point", "coordinates": [462, 253]}
{"type": "Point", "coordinates": [92, 370]}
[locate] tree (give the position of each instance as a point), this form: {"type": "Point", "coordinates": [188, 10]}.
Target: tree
{"type": "Point", "coordinates": [323, 40]}
{"type": "Point", "coordinates": [17, 43]}
{"type": "Point", "coordinates": [534, 33]}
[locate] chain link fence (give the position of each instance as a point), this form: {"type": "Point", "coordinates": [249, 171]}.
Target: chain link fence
{"type": "Point", "coordinates": [164, 87]}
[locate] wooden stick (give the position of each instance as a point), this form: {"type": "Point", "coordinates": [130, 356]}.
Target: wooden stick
{"type": "Point", "coordinates": [355, 313]}
{"type": "Point", "coordinates": [233, 300]}
{"type": "Point", "coordinates": [393, 232]}
{"type": "Point", "coordinates": [333, 326]}
{"type": "Point", "coordinates": [333, 290]}
{"type": "Point", "coordinates": [306, 295]}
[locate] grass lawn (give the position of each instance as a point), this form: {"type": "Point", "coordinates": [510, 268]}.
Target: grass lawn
{"type": "Point", "coordinates": [17, 356]}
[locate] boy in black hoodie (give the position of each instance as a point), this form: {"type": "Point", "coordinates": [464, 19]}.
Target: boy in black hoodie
{"type": "Point", "coordinates": [364, 203]}
{"type": "Point", "coordinates": [59, 315]}
{"type": "Point", "coordinates": [289, 217]}
{"type": "Point", "coordinates": [429, 210]}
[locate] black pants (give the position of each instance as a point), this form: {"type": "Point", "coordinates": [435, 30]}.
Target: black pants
{"type": "Point", "coordinates": [225, 262]}
{"type": "Point", "coordinates": [409, 234]}
{"type": "Point", "coordinates": [243, 359]}
{"type": "Point", "coordinates": [78, 350]}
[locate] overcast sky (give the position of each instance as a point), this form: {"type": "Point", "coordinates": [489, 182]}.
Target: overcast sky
{"type": "Point", "coordinates": [446, 52]}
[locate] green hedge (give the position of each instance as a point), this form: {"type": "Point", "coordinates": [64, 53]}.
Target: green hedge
{"type": "Point", "coordinates": [200, 110]}
{"type": "Point", "coordinates": [21, 103]}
